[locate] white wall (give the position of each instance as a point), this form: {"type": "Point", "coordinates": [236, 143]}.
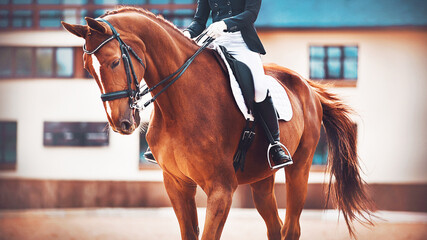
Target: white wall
{"type": "Point", "coordinates": [390, 94]}
{"type": "Point", "coordinates": [31, 102]}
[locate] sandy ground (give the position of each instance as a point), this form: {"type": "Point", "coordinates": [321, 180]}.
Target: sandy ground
{"type": "Point", "coordinates": [155, 224]}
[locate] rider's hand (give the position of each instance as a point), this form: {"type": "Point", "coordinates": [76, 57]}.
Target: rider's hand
{"type": "Point", "coordinates": [216, 29]}
{"type": "Point", "coordinates": [187, 34]}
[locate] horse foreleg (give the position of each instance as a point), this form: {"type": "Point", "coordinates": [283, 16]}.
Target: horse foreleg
{"type": "Point", "coordinates": [265, 203]}
{"type": "Point", "coordinates": [182, 196]}
{"type": "Point", "coordinates": [219, 202]}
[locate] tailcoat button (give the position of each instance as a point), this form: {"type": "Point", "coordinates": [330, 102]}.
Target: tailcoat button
{"type": "Point", "coordinates": [217, 13]}
{"type": "Point", "coordinates": [228, 3]}
{"type": "Point", "coordinates": [216, 4]}
{"type": "Point", "coordinates": [229, 12]}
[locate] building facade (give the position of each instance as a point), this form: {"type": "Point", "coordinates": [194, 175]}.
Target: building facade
{"type": "Point", "coordinates": [56, 150]}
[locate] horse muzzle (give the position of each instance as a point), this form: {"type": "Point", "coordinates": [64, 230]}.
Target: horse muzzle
{"type": "Point", "coordinates": [127, 126]}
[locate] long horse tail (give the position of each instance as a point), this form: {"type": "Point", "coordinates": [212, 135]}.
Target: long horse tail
{"type": "Point", "coordinates": [348, 191]}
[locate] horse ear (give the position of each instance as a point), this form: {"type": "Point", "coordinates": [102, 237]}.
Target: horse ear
{"type": "Point", "coordinates": [95, 25]}
{"type": "Point", "coordinates": [78, 30]}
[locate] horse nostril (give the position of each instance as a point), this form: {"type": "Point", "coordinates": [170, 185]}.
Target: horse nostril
{"type": "Point", "coordinates": [125, 125]}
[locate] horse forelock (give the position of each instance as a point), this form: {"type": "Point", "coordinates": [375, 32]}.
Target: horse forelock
{"type": "Point", "coordinates": [156, 18]}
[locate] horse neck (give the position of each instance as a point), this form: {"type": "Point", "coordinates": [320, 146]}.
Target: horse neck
{"type": "Point", "coordinates": [166, 51]}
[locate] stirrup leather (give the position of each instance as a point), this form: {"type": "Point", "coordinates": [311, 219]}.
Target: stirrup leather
{"type": "Point", "coordinates": [270, 146]}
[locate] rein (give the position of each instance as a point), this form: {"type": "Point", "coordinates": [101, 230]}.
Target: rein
{"type": "Point", "coordinates": [135, 95]}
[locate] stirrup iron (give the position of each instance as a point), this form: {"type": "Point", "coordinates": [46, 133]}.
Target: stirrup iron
{"type": "Point", "coordinates": [280, 165]}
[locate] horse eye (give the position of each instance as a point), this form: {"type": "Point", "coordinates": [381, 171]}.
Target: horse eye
{"type": "Point", "coordinates": [115, 63]}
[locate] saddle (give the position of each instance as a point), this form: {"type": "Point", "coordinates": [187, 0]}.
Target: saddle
{"type": "Point", "coordinates": [244, 78]}
{"type": "Point", "coordinates": [242, 87]}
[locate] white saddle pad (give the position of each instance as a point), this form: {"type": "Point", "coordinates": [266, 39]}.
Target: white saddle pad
{"type": "Point", "coordinates": [278, 93]}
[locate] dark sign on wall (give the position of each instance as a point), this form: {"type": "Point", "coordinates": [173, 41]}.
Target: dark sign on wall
{"type": "Point", "coordinates": [75, 134]}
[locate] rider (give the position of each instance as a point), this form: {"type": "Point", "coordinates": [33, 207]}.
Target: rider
{"type": "Point", "coordinates": [233, 27]}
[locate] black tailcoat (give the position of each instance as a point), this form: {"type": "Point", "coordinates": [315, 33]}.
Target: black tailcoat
{"type": "Point", "coordinates": [238, 15]}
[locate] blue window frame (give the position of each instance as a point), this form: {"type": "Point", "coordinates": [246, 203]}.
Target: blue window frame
{"type": "Point", "coordinates": [333, 62]}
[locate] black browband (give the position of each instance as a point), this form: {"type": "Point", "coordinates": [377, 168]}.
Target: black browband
{"type": "Point", "coordinates": [135, 95]}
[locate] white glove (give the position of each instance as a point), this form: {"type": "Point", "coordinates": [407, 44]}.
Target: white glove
{"type": "Point", "coordinates": [187, 34]}
{"type": "Point", "coordinates": [216, 29]}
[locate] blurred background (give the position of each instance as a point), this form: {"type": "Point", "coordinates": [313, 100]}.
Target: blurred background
{"type": "Point", "coordinates": [56, 151]}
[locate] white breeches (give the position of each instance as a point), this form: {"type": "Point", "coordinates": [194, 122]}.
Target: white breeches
{"type": "Point", "coordinates": [237, 47]}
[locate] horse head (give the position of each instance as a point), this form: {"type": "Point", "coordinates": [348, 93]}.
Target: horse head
{"type": "Point", "coordinates": [105, 58]}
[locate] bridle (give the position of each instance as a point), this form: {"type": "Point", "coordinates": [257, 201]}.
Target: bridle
{"type": "Point", "coordinates": [135, 95]}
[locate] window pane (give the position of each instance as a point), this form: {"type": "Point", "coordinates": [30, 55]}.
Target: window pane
{"type": "Point", "coordinates": [10, 130]}
{"type": "Point", "coordinates": [160, 1]}
{"type": "Point", "coordinates": [350, 52]}
{"type": "Point", "coordinates": [106, 2]}
{"type": "Point", "coordinates": [183, 1]}
{"type": "Point", "coordinates": [317, 69]}
{"type": "Point", "coordinates": [22, 18]}
{"type": "Point", "coordinates": [8, 142]}
{"type": "Point", "coordinates": [321, 153]}
{"type": "Point", "coordinates": [77, 2]}
{"type": "Point", "coordinates": [142, 148]}
{"type": "Point", "coordinates": [350, 69]}
{"type": "Point", "coordinates": [23, 61]}
{"type": "Point", "coordinates": [4, 21]}
{"type": "Point", "coordinates": [99, 12]}
{"type": "Point", "coordinates": [44, 61]}
{"type": "Point", "coordinates": [334, 52]}
{"type": "Point", "coordinates": [133, 2]}
{"type": "Point", "coordinates": [334, 68]}
{"type": "Point", "coordinates": [64, 62]}
{"type": "Point", "coordinates": [183, 17]}
{"type": "Point", "coordinates": [70, 16]}
{"type": "Point", "coordinates": [21, 1]}
{"type": "Point", "coordinates": [49, 2]}
{"type": "Point", "coordinates": [83, 14]}
{"type": "Point", "coordinates": [317, 52]}
{"type": "Point", "coordinates": [10, 154]}
{"type": "Point", "coordinates": [5, 62]}
{"type": "Point", "coordinates": [50, 18]}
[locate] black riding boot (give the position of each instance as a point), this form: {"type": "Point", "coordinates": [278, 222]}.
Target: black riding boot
{"type": "Point", "coordinates": [149, 156]}
{"type": "Point", "coordinates": [266, 115]}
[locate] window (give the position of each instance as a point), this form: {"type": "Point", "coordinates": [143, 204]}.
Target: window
{"type": "Point", "coordinates": [50, 18]}
{"type": "Point", "coordinates": [5, 63]}
{"type": "Point", "coordinates": [320, 158]}
{"type": "Point", "coordinates": [75, 134]}
{"type": "Point", "coordinates": [47, 14]}
{"type": "Point", "coordinates": [321, 153]}
{"type": "Point", "coordinates": [22, 19]}
{"type": "Point", "coordinates": [4, 21]}
{"type": "Point", "coordinates": [143, 163]}
{"type": "Point", "coordinates": [333, 62]}
{"type": "Point", "coordinates": [23, 57]}
{"type": "Point", "coordinates": [24, 62]}
{"type": "Point", "coordinates": [8, 145]}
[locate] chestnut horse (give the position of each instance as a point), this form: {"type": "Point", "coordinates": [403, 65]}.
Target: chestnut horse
{"type": "Point", "coordinates": [196, 125]}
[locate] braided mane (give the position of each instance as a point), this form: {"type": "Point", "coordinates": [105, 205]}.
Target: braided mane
{"type": "Point", "coordinates": [152, 16]}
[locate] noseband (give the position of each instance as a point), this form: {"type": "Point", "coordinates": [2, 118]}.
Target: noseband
{"type": "Point", "coordinates": [135, 95]}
